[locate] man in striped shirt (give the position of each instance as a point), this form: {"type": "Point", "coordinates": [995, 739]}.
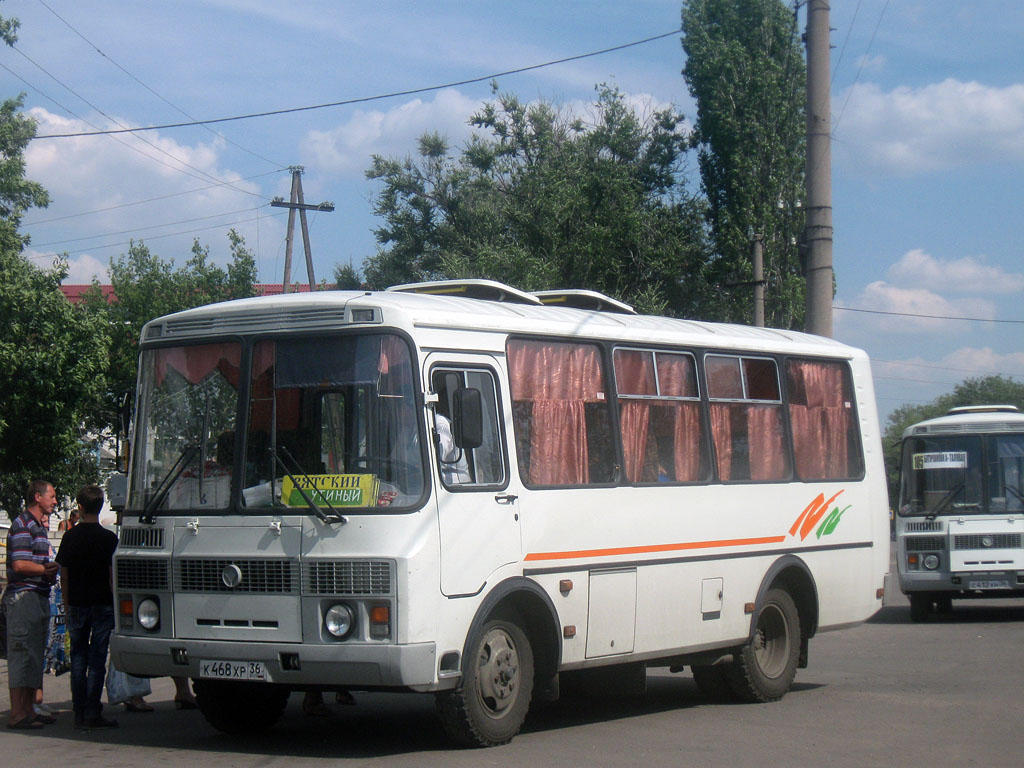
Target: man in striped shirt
{"type": "Point", "coordinates": [30, 574]}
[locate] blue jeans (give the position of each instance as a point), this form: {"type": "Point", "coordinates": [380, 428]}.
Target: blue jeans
{"type": "Point", "coordinates": [89, 627]}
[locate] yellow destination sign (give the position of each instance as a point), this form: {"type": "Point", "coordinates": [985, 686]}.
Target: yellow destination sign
{"type": "Point", "coordinates": [333, 490]}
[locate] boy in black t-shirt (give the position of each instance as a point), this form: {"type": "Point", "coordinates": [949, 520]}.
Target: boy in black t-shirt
{"type": "Point", "coordinates": [84, 558]}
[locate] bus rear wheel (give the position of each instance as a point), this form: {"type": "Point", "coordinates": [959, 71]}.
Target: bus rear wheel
{"type": "Point", "coordinates": [489, 706]}
{"type": "Point", "coordinates": [240, 707]}
{"type": "Point", "coordinates": [764, 668]}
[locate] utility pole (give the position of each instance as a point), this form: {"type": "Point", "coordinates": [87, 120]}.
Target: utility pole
{"type": "Point", "coordinates": [818, 228]}
{"type": "Point", "coordinates": [757, 262]}
{"type": "Point", "coordinates": [297, 203]}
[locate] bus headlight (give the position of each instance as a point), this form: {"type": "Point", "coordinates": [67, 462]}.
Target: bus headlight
{"type": "Point", "coordinates": [931, 562]}
{"type": "Point", "coordinates": [339, 620]}
{"type": "Point", "coordinates": [148, 614]}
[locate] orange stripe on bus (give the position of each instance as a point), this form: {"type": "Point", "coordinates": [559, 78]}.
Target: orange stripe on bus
{"type": "Point", "coordinates": [653, 548]}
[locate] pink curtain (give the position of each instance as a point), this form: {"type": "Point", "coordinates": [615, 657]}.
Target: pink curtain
{"type": "Point", "coordinates": [676, 377]}
{"type": "Point", "coordinates": [721, 434]}
{"type": "Point", "coordinates": [198, 362]}
{"type": "Point", "coordinates": [634, 420]}
{"type": "Point", "coordinates": [559, 379]}
{"type": "Point", "coordinates": [821, 416]}
{"type": "Point", "coordinates": [687, 442]}
{"type": "Point", "coordinates": [764, 433]}
{"type": "Point", "coordinates": [634, 372]}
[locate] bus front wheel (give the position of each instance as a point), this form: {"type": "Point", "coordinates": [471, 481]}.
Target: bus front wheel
{"type": "Point", "coordinates": [921, 606]}
{"type": "Point", "coordinates": [490, 704]}
{"type": "Point", "coordinates": [764, 668]}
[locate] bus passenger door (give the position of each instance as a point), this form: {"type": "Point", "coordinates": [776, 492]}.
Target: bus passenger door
{"type": "Point", "coordinates": [478, 512]}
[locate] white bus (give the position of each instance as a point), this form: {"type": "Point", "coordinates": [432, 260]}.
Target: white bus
{"type": "Point", "coordinates": [462, 489]}
{"type": "Point", "coordinates": [960, 526]}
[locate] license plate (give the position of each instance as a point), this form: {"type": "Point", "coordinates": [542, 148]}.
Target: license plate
{"type": "Point", "coordinates": [233, 670]}
{"type": "Point", "coordinates": [988, 584]}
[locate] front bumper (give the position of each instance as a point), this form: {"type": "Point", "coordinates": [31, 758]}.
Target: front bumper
{"type": "Point", "coordinates": [411, 667]}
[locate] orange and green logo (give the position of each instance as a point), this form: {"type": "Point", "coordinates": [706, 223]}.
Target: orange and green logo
{"type": "Point", "coordinates": [815, 513]}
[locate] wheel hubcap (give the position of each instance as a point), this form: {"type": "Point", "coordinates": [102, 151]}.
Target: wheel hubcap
{"type": "Point", "coordinates": [771, 641]}
{"type": "Point", "coordinates": [498, 672]}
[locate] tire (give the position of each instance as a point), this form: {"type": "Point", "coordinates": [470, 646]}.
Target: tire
{"type": "Point", "coordinates": [713, 681]}
{"type": "Point", "coordinates": [490, 704]}
{"type": "Point", "coordinates": [764, 668]}
{"type": "Point", "coordinates": [240, 708]}
{"type": "Point", "coordinates": [944, 604]}
{"type": "Point", "coordinates": [920, 606]}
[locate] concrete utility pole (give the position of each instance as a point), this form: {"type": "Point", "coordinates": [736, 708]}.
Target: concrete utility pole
{"type": "Point", "coordinates": [757, 262]}
{"type": "Point", "coordinates": [818, 227]}
{"type": "Point", "coordinates": [297, 203]}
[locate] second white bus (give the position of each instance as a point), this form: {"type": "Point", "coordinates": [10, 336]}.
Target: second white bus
{"type": "Point", "coordinates": [461, 489]}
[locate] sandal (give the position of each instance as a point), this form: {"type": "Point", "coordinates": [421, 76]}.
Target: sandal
{"type": "Point", "coordinates": [137, 705]}
{"type": "Point", "coordinates": [316, 710]}
{"type": "Point", "coordinates": [26, 724]}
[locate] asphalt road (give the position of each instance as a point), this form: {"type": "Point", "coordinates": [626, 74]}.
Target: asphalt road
{"type": "Point", "coordinates": [944, 693]}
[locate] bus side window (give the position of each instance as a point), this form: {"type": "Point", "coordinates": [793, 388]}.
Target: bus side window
{"type": "Point", "coordinates": [468, 466]}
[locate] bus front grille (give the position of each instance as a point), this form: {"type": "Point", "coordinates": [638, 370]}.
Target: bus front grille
{"type": "Point", "coordinates": [925, 543]}
{"type": "Point", "coordinates": [987, 541]}
{"type": "Point", "coordinates": [347, 577]}
{"type": "Point", "coordinates": [142, 573]}
{"type": "Point", "coordinates": [142, 538]}
{"type": "Point", "coordinates": [262, 576]}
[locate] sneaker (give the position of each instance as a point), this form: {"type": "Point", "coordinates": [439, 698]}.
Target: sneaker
{"type": "Point", "coordinates": [42, 709]}
{"type": "Point", "coordinates": [99, 722]}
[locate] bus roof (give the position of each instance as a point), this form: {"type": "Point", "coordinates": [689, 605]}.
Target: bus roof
{"type": "Point", "coordinates": [970, 419]}
{"type": "Point", "coordinates": [323, 310]}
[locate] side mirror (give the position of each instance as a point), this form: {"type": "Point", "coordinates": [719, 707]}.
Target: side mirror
{"type": "Point", "coordinates": [124, 414]}
{"type": "Point", "coordinates": [467, 418]}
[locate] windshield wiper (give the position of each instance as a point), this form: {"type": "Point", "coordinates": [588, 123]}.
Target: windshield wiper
{"type": "Point", "coordinates": [335, 516]}
{"type": "Point", "coordinates": [1015, 491]}
{"type": "Point", "coordinates": [185, 458]}
{"type": "Point", "coordinates": [945, 500]}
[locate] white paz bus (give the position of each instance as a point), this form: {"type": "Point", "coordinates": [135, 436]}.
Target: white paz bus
{"type": "Point", "coordinates": [960, 526]}
{"type": "Point", "coordinates": [462, 489]}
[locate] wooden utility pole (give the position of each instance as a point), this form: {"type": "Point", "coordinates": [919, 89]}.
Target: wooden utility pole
{"type": "Point", "coordinates": [297, 203]}
{"type": "Point", "coordinates": [818, 228]}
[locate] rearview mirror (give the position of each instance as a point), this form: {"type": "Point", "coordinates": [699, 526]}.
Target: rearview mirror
{"type": "Point", "coordinates": [467, 418]}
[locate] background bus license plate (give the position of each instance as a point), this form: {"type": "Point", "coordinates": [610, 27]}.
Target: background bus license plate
{"type": "Point", "coordinates": [988, 584]}
{"type": "Point", "coordinates": [233, 670]}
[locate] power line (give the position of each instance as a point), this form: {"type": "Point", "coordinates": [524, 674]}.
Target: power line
{"type": "Point", "coordinates": [169, 234]}
{"type": "Point", "coordinates": [364, 99]}
{"type": "Point", "coordinates": [137, 80]}
{"type": "Point", "coordinates": [143, 229]}
{"type": "Point", "coordinates": [849, 93]}
{"type": "Point", "coordinates": [71, 90]}
{"type": "Point", "coordinates": [928, 317]}
{"type": "Point", "coordinates": [945, 368]}
{"type": "Point", "coordinates": [148, 200]}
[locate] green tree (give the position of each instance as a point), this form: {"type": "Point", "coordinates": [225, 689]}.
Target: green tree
{"type": "Point", "coordinates": [745, 68]}
{"type": "Point", "coordinates": [540, 199]}
{"type": "Point", "coordinates": [982, 390]}
{"type": "Point", "coordinates": [147, 286]}
{"type": "Point", "coordinates": [52, 356]}
{"type": "Point", "coordinates": [346, 278]}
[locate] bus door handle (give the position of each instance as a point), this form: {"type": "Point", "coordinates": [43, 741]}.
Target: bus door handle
{"type": "Point", "coordinates": [506, 498]}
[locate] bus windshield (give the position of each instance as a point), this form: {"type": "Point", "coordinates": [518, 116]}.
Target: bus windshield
{"type": "Point", "coordinates": [184, 435]}
{"type": "Point", "coordinates": [330, 424]}
{"type": "Point", "coordinates": [333, 421]}
{"type": "Point", "coordinates": [963, 474]}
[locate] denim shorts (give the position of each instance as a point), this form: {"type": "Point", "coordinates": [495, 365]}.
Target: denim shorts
{"type": "Point", "coordinates": [28, 623]}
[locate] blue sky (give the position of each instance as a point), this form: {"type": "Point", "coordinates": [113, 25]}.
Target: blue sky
{"type": "Point", "coordinates": [928, 151]}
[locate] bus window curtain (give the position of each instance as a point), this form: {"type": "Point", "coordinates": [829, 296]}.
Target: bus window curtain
{"type": "Point", "coordinates": [721, 433]}
{"type": "Point", "coordinates": [557, 379]}
{"type": "Point", "coordinates": [768, 457]}
{"type": "Point", "coordinates": [687, 442]}
{"type": "Point", "coordinates": [821, 419]}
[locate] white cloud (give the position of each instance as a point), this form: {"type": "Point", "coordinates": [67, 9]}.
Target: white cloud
{"type": "Point", "coordinates": [944, 125]}
{"type": "Point", "coordinates": [955, 366]}
{"type": "Point", "coordinates": [910, 311]}
{"type": "Point", "coordinates": [107, 177]}
{"type": "Point", "coordinates": [82, 269]}
{"type": "Point", "coordinates": [966, 275]}
{"type": "Point", "coordinates": [346, 150]}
